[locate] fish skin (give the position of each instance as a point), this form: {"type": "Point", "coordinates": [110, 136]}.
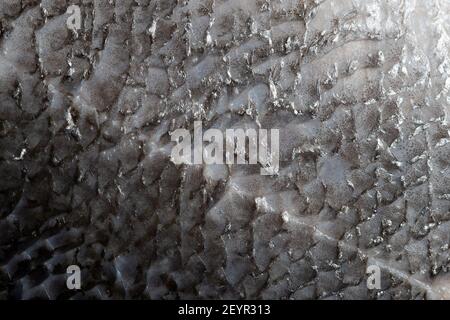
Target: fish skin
{"type": "Point", "coordinates": [358, 90]}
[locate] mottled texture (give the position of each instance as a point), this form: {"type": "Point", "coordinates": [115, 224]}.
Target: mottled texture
{"type": "Point", "coordinates": [358, 88]}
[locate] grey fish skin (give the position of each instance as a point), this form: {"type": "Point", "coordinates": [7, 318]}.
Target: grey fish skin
{"type": "Point", "coordinates": [358, 89]}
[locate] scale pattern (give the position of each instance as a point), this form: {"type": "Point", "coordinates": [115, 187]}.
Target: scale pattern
{"type": "Point", "coordinates": [358, 88]}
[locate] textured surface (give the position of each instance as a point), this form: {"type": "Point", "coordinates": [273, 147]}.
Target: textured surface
{"type": "Point", "coordinates": [358, 89]}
